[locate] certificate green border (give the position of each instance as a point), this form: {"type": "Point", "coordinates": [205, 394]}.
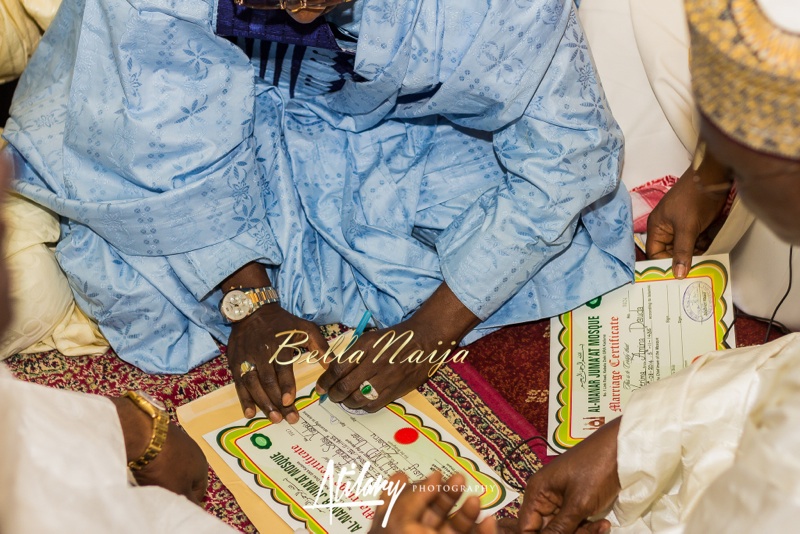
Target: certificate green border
{"type": "Point", "coordinates": [227, 438]}
{"type": "Point", "coordinates": [711, 269]}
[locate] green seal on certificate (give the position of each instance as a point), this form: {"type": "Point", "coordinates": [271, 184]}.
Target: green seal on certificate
{"type": "Point", "coordinates": [260, 441]}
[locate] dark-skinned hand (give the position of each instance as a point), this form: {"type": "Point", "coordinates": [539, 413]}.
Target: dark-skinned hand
{"type": "Point", "coordinates": [342, 380]}
{"type": "Point", "coordinates": [421, 509]}
{"type": "Point", "coordinates": [681, 224]}
{"type": "Point", "coordinates": [180, 467]}
{"type": "Point", "coordinates": [439, 324]}
{"type": "Point", "coordinates": [577, 485]}
{"type": "Point", "coordinates": [271, 386]}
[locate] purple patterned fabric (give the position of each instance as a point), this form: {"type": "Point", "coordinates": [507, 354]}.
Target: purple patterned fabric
{"type": "Point", "coordinates": [272, 25]}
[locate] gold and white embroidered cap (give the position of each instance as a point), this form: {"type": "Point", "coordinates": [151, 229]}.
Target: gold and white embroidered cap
{"type": "Point", "coordinates": [745, 68]}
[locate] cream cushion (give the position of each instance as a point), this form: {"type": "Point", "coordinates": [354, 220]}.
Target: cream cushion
{"type": "Point", "coordinates": [42, 11]}
{"type": "Point", "coordinates": [44, 314]}
{"type": "Point", "coordinates": [20, 33]}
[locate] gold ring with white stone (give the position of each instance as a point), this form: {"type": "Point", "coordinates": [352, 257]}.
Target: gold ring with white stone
{"type": "Point", "coordinates": [245, 368]}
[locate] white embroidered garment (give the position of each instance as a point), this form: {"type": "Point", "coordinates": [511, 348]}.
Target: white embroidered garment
{"type": "Point", "coordinates": [715, 448]}
{"type": "Point", "coordinates": [63, 470]}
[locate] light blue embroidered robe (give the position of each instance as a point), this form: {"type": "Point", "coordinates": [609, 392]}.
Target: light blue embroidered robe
{"type": "Point", "coordinates": [475, 147]}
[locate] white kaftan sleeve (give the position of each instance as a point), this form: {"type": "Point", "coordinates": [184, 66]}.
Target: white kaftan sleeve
{"type": "Point", "coordinates": [63, 469]}
{"type": "Point", "coordinates": [761, 490]}
{"type": "Point", "coordinates": [679, 434]}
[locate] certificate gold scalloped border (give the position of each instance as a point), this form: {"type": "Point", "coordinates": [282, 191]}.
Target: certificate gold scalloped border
{"type": "Point", "coordinates": [227, 438]}
{"type": "Point", "coordinates": [705, 269]}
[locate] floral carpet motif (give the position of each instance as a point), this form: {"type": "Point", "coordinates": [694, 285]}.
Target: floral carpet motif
{"type": "Point", "coordinates": [481, 423]}
{"type": "Point", "coordinates": [515, 361]}
{"type": "Point", "coordinates": [496, 399]}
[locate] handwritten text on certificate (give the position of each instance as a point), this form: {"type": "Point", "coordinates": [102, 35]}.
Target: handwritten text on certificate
{"type": "Point", "coordinates": [637, 334]}
{"type": "Point", "coordinates": [288, 465]}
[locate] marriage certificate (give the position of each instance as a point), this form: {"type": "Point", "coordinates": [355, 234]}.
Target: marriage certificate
{"type": "Point", "coordinates": [281, 474]}
{"type": "Point", "coordinates": [615, 344]}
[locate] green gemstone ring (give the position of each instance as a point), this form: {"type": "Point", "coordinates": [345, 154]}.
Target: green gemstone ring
{"type": "Point", "coordinates": [368, 390]}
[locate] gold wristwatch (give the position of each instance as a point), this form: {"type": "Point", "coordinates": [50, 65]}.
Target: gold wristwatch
{"type": "Point", "coordinates": [239, 303]}
{"type": "Point", "coordinates": [158, 413]}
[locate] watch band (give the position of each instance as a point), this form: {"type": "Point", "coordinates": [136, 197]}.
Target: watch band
{"type": "Point", "coordinates": [262, 295]}
{"type": "Point", "coordinates": [160, 428]}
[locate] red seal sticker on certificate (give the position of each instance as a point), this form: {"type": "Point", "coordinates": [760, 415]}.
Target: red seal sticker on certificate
{"type": "Point", "coordinates": [326, 473]}
{"type": "Point", "coordinates": [406, 436]}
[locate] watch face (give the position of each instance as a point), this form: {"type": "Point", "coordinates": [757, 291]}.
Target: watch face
{"type": "Point", "coordinates": [236, 305]}
{"type": "Point", "coordinates": [155, 402]}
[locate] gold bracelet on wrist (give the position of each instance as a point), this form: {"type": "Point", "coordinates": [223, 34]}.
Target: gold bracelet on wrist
{"type": "Point", "coordinates": [158, 414]}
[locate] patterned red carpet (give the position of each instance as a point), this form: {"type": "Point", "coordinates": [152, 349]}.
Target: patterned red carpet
{"type": "Point", "coordinates": [515, 362]}
{"type": "Point", "coordinates": [496, 399]}
{"type": "Point", "coordinates": [474, 408]}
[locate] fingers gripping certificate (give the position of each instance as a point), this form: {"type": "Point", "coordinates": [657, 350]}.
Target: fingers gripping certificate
{"type": "Point", "coordinates": [326, 472]}
{"type": "Point", "coordinates": [604, 350]}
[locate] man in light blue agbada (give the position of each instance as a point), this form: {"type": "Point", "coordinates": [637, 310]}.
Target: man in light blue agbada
{"type": "Point", "coordinates": [451, 166]}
